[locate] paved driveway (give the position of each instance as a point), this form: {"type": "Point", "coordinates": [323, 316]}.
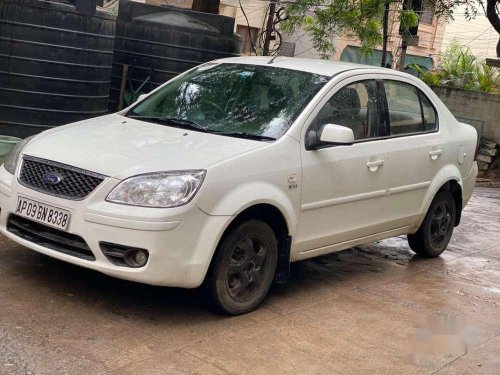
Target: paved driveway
{"type": "Point", "coordinates": [372, 309]}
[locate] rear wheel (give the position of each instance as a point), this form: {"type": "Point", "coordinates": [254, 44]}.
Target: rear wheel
{"type": "Point", "coordinates": [244, 267]}
{"type": "Point", "coordinates": [434, 234]}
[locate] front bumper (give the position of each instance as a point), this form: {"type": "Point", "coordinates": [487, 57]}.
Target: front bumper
{"type": "Point", "coordinates": [180, 241]}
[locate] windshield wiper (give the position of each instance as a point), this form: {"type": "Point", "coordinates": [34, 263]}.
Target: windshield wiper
{"type": "Point", "coordinates": [191, 125]}
{"type": "Point", "coordinates": [245, 135]}
{"type": "Point", "coordinates": [172, 121]}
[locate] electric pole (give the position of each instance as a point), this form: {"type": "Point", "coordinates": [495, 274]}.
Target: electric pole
{"type": "Point", "coordinates": [386, 31]}
{"type": "Point", "coordinates": [404, 47]}
{"type": "Point", "coordinates": [269, 26]}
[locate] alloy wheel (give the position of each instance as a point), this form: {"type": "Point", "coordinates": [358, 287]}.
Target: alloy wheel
{"type": "Point", "coordinates": [247, 268]}
{"type": "Point", "coordinates": [440, 224]}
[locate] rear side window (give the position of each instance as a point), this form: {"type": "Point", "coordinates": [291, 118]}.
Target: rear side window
{"type": "Point", "coordinates": [430, 117]}
{"type": "Point", "coordinates": [410, 111]}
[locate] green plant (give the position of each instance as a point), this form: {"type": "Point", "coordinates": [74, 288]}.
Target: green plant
{"type": "Point", "coordinates": [408, 19]}
{"type": "Point", "coordinates": [460, 68]}
{"type": "Point", "coordinates": [432, 78]}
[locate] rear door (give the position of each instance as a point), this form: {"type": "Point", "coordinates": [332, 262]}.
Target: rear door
{"type": "Point", "coordinates": [415, 146]}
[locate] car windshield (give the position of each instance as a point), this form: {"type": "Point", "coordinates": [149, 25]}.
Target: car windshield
{"type": "Point", "coordinates": [232, 99]}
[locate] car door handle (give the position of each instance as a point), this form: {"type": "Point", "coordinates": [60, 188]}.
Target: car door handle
{"type": "Point", "coordinates": [373, 165]}
{"type": "Point", "coordinates": [434, 154]}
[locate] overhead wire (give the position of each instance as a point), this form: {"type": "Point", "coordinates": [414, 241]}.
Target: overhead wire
{"type": "Point", "coordinates": [249, 30]}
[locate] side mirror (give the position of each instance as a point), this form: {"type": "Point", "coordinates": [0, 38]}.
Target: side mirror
{"type": "Point", "coordinates": [336, 135]}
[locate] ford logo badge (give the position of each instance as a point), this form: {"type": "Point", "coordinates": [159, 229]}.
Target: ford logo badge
{"type": "Point", "coordinates": [51, 178]}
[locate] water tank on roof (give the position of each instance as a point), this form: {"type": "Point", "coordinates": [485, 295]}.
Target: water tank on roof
{"type": "Point", "coordinates": [158, 43]}
{"type": "Point", "coordinates": [55, 63]}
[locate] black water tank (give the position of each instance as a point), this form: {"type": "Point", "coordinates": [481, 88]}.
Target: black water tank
{"type": "Point", "coordinates": [161, 42]}
{"type": "Point", "coordinates": [55, 63]}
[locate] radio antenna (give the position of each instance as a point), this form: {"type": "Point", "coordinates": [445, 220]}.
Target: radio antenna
{"type": "Point", "coordinates": [274, 57]}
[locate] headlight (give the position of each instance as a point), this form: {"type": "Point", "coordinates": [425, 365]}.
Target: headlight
{"type": "Point", "coordinates": [161, 189]}
{"type": "Point", "coordinates": [13, 158]}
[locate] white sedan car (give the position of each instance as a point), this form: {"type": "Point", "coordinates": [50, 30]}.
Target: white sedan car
{"type": "Point", "coordinates": [227, 173]}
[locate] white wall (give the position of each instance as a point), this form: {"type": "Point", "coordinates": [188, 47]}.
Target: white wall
{"type": "Point", "coordinates": [477, 34]}
{"type": "Point", "coordinates": [303, 45]}
{"type": "Point", "coordinates": [254, 9]}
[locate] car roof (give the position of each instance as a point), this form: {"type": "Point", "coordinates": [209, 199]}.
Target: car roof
{"type": "Point", "coordinates": [323, 67]}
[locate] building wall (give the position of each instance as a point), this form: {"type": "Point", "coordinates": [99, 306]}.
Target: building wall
{"type": "Point", "coordinates": [429, 46]}
{"type": "Point", "coordinates": [477, 34]}
{"type": "Point", "coordinates": [303, 45]}
{"type": "Point", "coordinates": [474, 105]}
{"type": "Point", "coordinates": [254, 9]}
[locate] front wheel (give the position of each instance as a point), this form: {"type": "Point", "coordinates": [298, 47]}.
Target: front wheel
{"type": "Point", "coordinates": [243, 267]}
{"type": "Point", "coordinates": [434, 234]}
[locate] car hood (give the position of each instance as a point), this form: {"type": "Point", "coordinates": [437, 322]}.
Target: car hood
{"type": "Point", "coordinates": [121, 147]}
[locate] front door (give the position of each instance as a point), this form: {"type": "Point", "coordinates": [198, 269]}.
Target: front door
{"type": "Point", "coordinates": [344, 187]}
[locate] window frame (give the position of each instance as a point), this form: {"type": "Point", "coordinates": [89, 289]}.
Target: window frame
{"type": "Point", "coordinates": [246, 46]}
{"type": "Point", "coordinates": [419, 94]}
{"type": "Point", "coordinates": [380, 104]}
{"type": "Point", "coordinates": [427, 9]}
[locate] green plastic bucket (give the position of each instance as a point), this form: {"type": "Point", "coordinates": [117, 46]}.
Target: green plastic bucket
{"type": "Point", "coordinates": [6, 144]}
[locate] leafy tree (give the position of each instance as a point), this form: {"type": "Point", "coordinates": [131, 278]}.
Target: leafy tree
{"type": "Point", "coordinates": [325, 19]}
{"type": "Point", "coordinates": [362, 19]}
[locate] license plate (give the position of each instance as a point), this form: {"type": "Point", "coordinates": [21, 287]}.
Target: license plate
{"type": "Point", "coordinates": [43, 213]}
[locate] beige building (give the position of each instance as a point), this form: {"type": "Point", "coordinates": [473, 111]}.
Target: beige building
{"type": "Point", "coordinates": [425, 52]}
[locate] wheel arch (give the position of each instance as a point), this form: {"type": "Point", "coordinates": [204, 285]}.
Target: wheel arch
{"type": "Point", "coordinates": [448, 179]}
{"type": "Point", "coordinates": [274, 217]}
{"type": "Point", "coordinates": [456, 192]}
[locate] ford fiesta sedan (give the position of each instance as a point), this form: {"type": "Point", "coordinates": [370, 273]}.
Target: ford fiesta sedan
{"type": "Point", "coordinates": [227, 173]}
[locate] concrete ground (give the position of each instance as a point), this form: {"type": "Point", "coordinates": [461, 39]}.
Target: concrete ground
{"type": "Point", "coordinates": [372, 309]}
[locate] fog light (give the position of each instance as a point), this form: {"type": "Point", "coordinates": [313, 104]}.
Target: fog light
{"type": "Point", "coordinates": [137, 258]}
{"type": "Point", "coordinates": [124, 256]}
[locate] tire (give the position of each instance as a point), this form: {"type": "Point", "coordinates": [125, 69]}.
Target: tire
{"type": "Point", "coordinates": [435, 233]}
{"type": "Point", "coordinates": [243, 267]}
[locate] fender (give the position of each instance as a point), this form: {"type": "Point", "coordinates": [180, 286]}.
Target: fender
{"type": "Point", "coordinates": [447, 173]}
{"type": "Point", "coordinates": [247, 195]}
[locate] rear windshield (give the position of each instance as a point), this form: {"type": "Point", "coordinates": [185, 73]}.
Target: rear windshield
{"type": "Point", "coordinates": [235, 98]}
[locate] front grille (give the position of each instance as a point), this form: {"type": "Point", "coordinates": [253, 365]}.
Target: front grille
{"type": "Point", "coordinates": [48, 237]}
{"type": "Point", "coordinates": [74, 183]}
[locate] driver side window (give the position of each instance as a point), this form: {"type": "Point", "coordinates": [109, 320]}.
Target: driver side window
{"type": "Point", "coordinates": [354, 106]}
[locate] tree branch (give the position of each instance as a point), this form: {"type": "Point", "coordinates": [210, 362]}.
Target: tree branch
{"type": "Point", "coordinates": [491, 13]}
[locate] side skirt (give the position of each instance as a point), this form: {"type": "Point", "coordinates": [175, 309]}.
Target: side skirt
{"type": "Point", "coordinates": [348, 244]}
